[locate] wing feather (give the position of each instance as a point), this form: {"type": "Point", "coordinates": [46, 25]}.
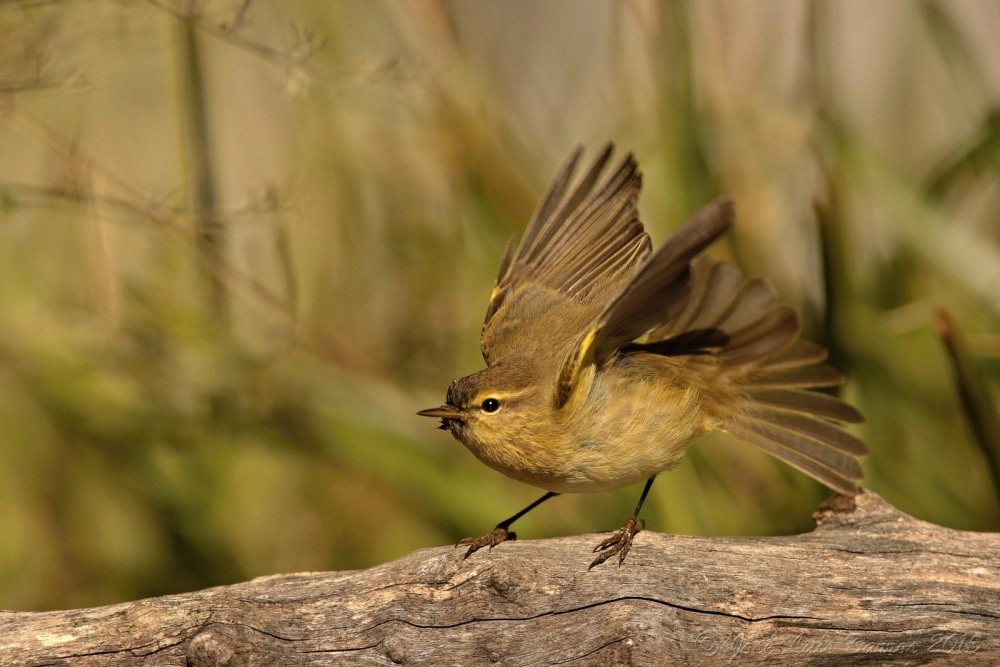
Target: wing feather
{"type": "Point", "coordinates": [582, 243]}
{"type": "Point", "coordinates": [656, 293]}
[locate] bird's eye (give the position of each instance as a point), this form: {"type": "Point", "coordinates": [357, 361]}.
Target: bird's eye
{"type": "Point", "coordinates": [490, 405]}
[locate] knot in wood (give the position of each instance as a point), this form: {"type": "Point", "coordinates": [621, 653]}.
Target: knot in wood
{"type": "Point", "coordinates": [502, 580]}
{"type": "Point", "coordinates": [211, 648]}
{"type": "Point", "coordinates": [394, 650]}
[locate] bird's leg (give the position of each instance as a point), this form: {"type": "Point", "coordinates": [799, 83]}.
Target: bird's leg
{"type": "Point", "coordinates": [621, 541]}
{"type": "Point", "coordinates": [500, 533]}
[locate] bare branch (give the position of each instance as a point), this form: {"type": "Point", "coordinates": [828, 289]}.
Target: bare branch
{"type": "Point", "coordinates": [870, 584]}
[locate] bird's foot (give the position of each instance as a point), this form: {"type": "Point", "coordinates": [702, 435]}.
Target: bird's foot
{"type": "Point", "coordinates": [490, 539]}
{"type": "Point", "coordinates": [619, 543]}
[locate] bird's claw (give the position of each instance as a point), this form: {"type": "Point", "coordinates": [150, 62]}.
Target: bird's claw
{"type": "Point", "coordinates": [619, 543]}
{"type": "Point", "coordinates": [490, 539]}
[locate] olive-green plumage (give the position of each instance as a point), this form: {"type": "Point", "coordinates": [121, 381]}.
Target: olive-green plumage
{"type": "Point", "coordinates": [571, 402]}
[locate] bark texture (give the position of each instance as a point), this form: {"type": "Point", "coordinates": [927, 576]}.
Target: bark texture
{"type": "Point", "coordinates": [869, 585]}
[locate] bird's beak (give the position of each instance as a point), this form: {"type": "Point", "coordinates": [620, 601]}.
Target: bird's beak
{"type": "Point", "coordinates": [442, 412]}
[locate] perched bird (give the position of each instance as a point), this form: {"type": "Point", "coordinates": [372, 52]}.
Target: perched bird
{"type": "Point", "coordinates": [604, 360]}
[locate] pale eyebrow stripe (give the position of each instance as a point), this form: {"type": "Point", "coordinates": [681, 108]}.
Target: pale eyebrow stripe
{"type": "Point", "coordinates": [499, 395]}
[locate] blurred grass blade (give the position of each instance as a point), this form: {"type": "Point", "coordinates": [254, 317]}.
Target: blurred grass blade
{"type": "Point", "coordinates": [980, 155]}
{"type": "Point", "coordinates": [832, 257]}
{"type": "Point", "coordinates": [980, 410]}
{"type": "Point", "coordinates": [209, 232]}
{"type": "Point", "coordinates": [953, 46]}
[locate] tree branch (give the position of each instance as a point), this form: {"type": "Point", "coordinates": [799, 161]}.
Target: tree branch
{"type": "Point", "coordinates": [870, 584]}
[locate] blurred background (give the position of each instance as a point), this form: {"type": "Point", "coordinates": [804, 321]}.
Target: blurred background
{"type": "Point", "coordinates": [241, 243]}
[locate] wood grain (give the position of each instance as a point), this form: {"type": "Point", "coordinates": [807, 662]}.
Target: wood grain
{"type": "Point", "coordinates": [868, 585]}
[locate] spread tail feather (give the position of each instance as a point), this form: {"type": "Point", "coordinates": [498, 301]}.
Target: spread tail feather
{"type": "Point", "coordinates": [765, 374]}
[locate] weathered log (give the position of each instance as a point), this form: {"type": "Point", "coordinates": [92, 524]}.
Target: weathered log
{"type": "Point", "coordinates": [870, 584]}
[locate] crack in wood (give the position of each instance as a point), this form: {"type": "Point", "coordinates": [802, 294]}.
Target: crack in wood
{"type": "Point", "coordinates": [597, 650]}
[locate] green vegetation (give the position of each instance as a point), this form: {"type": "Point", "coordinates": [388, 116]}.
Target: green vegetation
{"type": "Point", "coordinates": [240, 247]}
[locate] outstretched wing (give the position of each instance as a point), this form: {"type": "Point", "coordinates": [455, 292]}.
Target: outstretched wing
{"type": "Point", "coordinates": [582, 243]}
{"type": "Point", "coordinates": [656, 293]}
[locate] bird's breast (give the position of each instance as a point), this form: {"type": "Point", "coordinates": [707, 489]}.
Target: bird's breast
{"type": "Point", "coordinates": [634, 422]}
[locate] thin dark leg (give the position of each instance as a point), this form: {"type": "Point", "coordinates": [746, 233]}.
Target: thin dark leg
{"type": "Point", "coordinates": [642, 497]}
{"type": "Point", "coordinates": [500, 533]}
{"type": "Point", "coordinates": [621, 542]}
{"type": "Point", "coordinates": [507, 522]}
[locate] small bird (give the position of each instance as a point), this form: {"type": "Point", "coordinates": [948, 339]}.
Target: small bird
{"type": "Point", "coordinates": [604, 360]}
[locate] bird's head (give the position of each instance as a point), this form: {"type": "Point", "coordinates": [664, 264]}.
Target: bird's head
{"type": "Point", "coordinates": [488, 409]}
